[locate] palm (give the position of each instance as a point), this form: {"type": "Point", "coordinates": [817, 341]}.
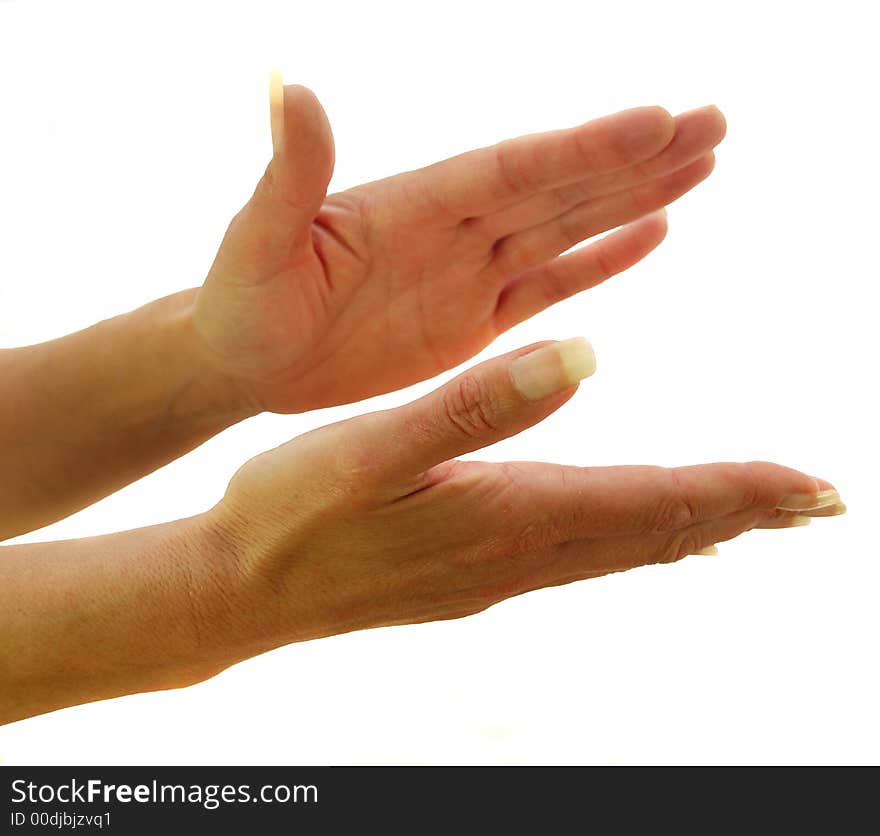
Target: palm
{"type": "Point", "coordinates": [402, 296]}
{"type": "Point", "coordinates": [394, 281]}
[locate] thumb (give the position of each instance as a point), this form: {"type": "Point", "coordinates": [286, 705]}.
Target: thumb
{"type": "Point", "coordinates": [295, 183]}
{"type": "Point", "coordinates": [490, 402]}
{"type": "Point", "coordinates": [278, 217]}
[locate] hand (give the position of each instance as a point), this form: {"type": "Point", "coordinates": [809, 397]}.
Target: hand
{"type": "Point", "coordinates": [371, 522]}
{"type": "Point", "coordinates": [360, 524]}
{"type": "Point", "coordinates": [317, 300]}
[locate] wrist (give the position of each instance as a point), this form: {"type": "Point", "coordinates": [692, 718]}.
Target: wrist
{"type": "Point", "coordinates": [204, 393]}
{"type": "Point", "coordinates": [210, 614]}
{"type": "Point", "coordinates": [230, 614]}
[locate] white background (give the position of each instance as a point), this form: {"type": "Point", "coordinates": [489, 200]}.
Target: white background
{"type": "Point", "coordinates": [131, 133]}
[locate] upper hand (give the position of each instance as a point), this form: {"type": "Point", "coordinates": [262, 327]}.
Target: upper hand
{"type": "Point", "coordinates": [317, 300]}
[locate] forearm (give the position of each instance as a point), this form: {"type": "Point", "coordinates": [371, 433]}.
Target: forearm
{"type": "Point", "coordinates": [90, 619]}
{"type": "Point", "coordinates": [86, 414]}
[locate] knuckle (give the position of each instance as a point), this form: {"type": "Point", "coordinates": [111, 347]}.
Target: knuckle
{"type": "Point", "coordinates": [674, 510]}
{"type": "Point", "coordinates": [469, 405]}
{"type": "Point", "coordinates": [604, 263]}
{"type": "Point", "coordinates": [585, 149]}
{"type": "Point", "coordinates": [511, 175]}
{"type": "Point", "coordinates": [681, 545]}
{"type": "Point", "coordinates": [508, 480]}
{"type": "Point", "coordinates": [643, 200]}
{"type": "Point", "coordinates": [540, 526]}
{"type": "Point", "coordinates": [271, 192]}
{"type": "Point", "coordinates": [554, 288]}
{"type": "Point", "coordinates": [647, 170]}
{"type": "Point", "coordinates": [565, 197]}
{"type": "Point", "coordinates": [352, 468]}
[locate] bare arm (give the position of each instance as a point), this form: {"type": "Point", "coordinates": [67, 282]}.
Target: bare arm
{"type": "Point", "coordinates": [85, 414]}
{"type": "Point", "coordinates": [90, 619]}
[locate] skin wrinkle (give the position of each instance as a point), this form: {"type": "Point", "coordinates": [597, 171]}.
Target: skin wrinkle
{"type": "Point", "coordinates": [526, 249]}
{"type": "Point", "coordinates": [606, 270]}
{"type": "Point", "coordinates": [423, 324]}
{"type": "Point", "coordinates": [683, 512]}
{"type": "Point", "coordinates": [754, 494]}
{"type": "Point", "coordinates": [516, 186]}
{"type": "Point", "coordinates": [677, 155]}
{"type": "Point", "coordinates": [433, 199]}
{"type": "Point", "coordinates": [348, 204]}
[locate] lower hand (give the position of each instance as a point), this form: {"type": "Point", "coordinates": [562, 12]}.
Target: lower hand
{"type": "Point", "coordinates": [372, 522]}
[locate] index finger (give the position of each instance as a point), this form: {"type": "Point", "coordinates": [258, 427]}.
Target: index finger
{"type": "Point", "coordinates": [488, 179]}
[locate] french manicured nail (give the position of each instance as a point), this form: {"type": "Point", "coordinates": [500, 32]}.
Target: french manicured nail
{"type": "Point", "coordinates": [786, 522]}
{"type": "Point", "coordinates": [828, 511]}
{"type": "Point", "coordinates": [553, 368]}
{"type": "Point", "coordinates": [709, 550]}
{"type": "Point", "coordinates": [276, 109]}
{"type": "Point", "coordinates": [809, 501]}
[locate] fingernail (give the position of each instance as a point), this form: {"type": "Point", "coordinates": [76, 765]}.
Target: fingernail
{"type": "Point", "coordinates": [786, 522]}
{"type": "Point", "coordinates": [829, 511]}
{"type": "Point", "coordinates": [553, 368]}
{"type": "Point", "coordinates": [808, 501]}
{"type": "Point", "coordinates": [276, 109]}
{"type": "Point", "coordinates": [709, 550]}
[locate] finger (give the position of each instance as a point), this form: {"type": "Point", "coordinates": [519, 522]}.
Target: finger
{"type": "Point", "coordinates": [588, 558]}
{"type": "Point", "coordinates": [574, 502]}
{"type": "Point", "coordinates": [488, 179]}
{"type": "Point", "coordinates": [487, 403]}
{"type": "Point", "coordinates": [279, 215]}
{"type": "Point", "coordinates": [524, 250]}
{"type": "Point", "coordinates": [696, 133]}
{"type": "Point", "coordinates": [549, 283]}
{"type": "Point", "coordinates": [295, 183]}
{"type": "Point", "coordinates": [584, 559]}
